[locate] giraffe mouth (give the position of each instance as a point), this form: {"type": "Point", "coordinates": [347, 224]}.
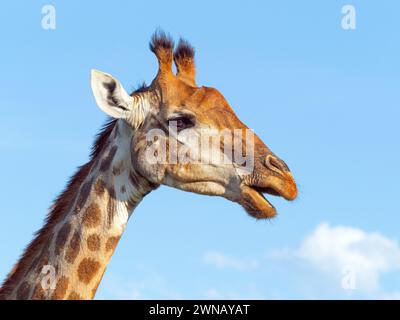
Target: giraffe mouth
{"type": "Point", "coordinates": [257, 205]}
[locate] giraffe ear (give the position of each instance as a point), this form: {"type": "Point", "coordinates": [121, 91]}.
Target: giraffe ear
{"type": "Point", "coordinates": [110, 96]}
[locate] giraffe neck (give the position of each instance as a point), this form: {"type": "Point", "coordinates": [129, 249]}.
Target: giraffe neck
{"type": "Point", "coordinates": [70, 254]}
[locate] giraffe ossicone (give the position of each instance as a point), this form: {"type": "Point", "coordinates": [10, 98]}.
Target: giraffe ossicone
{"type": "Point", "coordinates": [89, 217]}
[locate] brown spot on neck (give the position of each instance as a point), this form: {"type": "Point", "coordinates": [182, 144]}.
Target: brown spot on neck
{"type": "Point", "coordinates": [112, 243]}
{"type": "Point", "coordinates": [92, 216]}
{"type": "Point", "coordinates": [93, 242]}
{"type": "Point", "coordinates": [61, 288]}
{"type": "Point", "coordinates": [87, 269]}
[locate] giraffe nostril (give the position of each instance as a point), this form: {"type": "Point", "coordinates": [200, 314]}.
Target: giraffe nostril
{"type": "Point", "coordinates": [276, 164]}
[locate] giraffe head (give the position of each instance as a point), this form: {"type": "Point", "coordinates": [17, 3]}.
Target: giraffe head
{"type": "Point", "coordinates": [188, 137]}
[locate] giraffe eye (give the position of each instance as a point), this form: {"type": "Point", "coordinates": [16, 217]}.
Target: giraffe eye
{"type": "Point", "coordinates": [181, 123]}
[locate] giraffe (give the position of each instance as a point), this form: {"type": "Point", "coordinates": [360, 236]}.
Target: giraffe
{"type": "Point", "coordinates": [88, 218]}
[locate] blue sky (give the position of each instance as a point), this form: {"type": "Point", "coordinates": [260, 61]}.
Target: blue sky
{"type": "Point", "coordinates": [326, 100]}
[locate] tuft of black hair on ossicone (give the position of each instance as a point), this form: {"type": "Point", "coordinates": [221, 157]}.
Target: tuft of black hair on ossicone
{"type": "Point", "coordinates": [184, 51]}
{"type": "Point", "coordinates": [161, 40]}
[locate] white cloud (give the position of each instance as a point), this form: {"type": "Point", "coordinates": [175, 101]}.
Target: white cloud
{"type": "Point", "coordinates": [341, 251]}
{"type": "Point", "coordinates": [222, 261]}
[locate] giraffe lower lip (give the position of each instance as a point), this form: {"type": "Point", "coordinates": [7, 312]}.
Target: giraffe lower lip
{"type": "Point", "coordinates": [256, 204]}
